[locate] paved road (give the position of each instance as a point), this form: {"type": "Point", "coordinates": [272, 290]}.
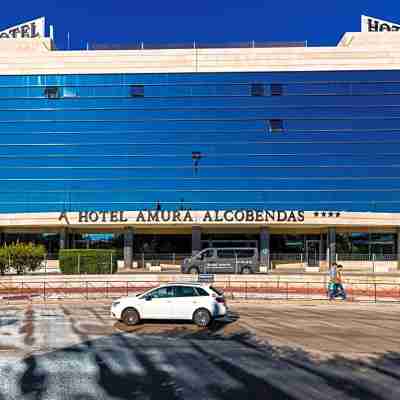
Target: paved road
{"type": "Point", "coordinates": [263, 350]}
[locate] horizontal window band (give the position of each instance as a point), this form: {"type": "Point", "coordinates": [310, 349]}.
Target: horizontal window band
{"type": "Point", "coordinates": [188, 120]}
{"type": "Point", "coordinates": [248, 81]}
{"type": "Point", "coordinates": [102, 179]}
{"type": "Point", "coordinates": [189, 156]}
{"type": "Point", "coordinates": [158, 190]}
{"type": "Point", "coordinates": [205, 108]}
{"type": "Point", "coordinates": [240, 203]}
{"type": "Point", "coordinates": [269, 142]}
{"type": "Point", "coordinates": [202, 167]}
{"type": "Point", "coordinates": [255, 131]}
{"type": "Point", "coordinates": [227, 96]}
{"type": "Point", "coordinates": [384, 131]}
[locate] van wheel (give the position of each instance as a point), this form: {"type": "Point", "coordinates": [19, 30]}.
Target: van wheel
{"type": "Point", "coordinates": [246, 271]}
{"type": "Point", "coordinates": [193, 271]}
{"type": "Point", "coordinates": [202, 317]}
{"type": "Point", "coordinates": [130, 316]}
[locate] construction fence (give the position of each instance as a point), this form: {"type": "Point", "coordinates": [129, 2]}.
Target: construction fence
{"type": "Point", "coordinates": [233, 289]}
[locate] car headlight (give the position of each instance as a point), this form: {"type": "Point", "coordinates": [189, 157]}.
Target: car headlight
{"type": "Point", "coordinates": [115, 303]}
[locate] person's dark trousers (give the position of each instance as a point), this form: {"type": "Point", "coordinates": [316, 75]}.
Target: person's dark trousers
{"type": "Point", "coordinates": [341, 289]}
{"type": "Point", "coordinates": [337, 290]}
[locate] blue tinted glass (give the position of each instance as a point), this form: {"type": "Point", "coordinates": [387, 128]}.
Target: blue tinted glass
{"type": "Point", "coordinates": [125, 141]}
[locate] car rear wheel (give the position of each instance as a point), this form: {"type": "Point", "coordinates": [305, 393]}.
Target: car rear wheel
{"type": "Point", "coordinates": [193, 271]}
{"type": "Point", "coordinates": [202, 317]}
{"type": "Point", "coordinates": [246, 270]}
{"type": "Point", "coordinates": [130, 316]}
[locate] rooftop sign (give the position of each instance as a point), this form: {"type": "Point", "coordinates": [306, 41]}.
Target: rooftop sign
{"type": "Point", "coordinates": [30, 29]}
{"type": "Point", "coordinates": [371, 24]}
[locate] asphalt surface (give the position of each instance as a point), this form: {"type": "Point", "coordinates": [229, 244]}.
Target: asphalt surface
{"type": "Point", "coordinates": [262, 350]}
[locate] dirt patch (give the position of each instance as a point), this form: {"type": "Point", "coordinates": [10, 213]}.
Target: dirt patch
{"type": "Point", "coordinates": [27, 327]}
{"type": "Point", "coordinates": [6, 348]}
{"type": "Point", "coordinates": [157, 328]}
{"type": "Point", "coordinates": [227, 326]}
{"type": "Point", "coordinates": [92, 329]}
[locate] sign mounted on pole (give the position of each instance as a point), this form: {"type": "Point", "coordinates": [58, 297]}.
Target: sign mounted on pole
{"type": "Point", "coordinates": [371, 24]}
{"type": "Point", "coordinates": [30, 29]}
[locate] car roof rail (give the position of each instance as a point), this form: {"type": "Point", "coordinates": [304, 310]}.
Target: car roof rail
{"type": "Point", "coordinates": [184, 283]}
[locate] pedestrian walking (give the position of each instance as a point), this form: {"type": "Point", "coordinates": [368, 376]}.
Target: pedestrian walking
{"type": "Point", "coordinates": [332, 272]}
{"type": "Point", "coordinates": [336, 288]}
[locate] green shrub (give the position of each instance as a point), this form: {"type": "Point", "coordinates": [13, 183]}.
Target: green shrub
{"type": "Point", "coordinates": [4, 260]}
{"type": "Point", "coordinates": [26, 256]}
{"type": "Point", "coordinates": [81, 261]}
{"type": "Point", "coordinates": [21, 257]}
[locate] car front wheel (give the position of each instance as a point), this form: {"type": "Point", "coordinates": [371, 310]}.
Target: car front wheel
{"type": "Point", "coordinates": [202, 317]}
{"type": "Point", "coordinates": [246, 271]}
{"type": "Point", "coordinates": [130, 316]}
{"type": "Point", "coordinates": [193, 271]}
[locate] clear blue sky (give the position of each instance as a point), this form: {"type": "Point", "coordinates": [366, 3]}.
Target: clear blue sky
{"type": "Point", "coordinates": [177, 21]}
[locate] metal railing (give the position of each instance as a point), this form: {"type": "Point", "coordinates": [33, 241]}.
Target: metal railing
{"type": "Point", "coordinates": [366, 257]}
{"type": "Point", "coordinates": [245, 289]}
{"type": "Point", "coordinates": [193, 45]}
{"type": "Point", "coordinates": [159, 258]}
{"type": "Point", "coordinates": [287, 257]}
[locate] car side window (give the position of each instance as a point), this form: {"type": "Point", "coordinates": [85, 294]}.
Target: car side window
{"type": "Point", "coordinates": [201, 292]}
{"type": "Point", "coordinates": [226, 253]}
{"type": "Point", "coordinates": [163, 292]}
{"type": "Point", "coordinates": [185, 291]}
{"type": "Point", "coordinates": [245, 253]}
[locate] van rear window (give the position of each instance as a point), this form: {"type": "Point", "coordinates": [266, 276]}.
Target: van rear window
{"type": "Point", "coordinates": [218, 291]}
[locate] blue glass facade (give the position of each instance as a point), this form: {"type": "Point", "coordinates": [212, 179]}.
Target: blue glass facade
{"type": "Point", "coordinates": [126, 141]}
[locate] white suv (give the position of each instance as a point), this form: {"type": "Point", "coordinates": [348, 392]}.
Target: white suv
{"type": "Point", "coordinates": [200, 303]}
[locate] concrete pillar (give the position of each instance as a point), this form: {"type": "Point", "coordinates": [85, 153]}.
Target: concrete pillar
{"type": "Point", "coordinates": [128, 247]}
{"type": "Point", "coordinates": [64, 243]}
{"type": "Point", "coordinates": [331, 246]}
{"type": "Point", "coordinates": [196, 239]}
{"type": "Point", "coordinates": [398, 248]}
{"type": "Point", "coordinates": [265, 247]}
{"type": "Point", "coordinates": [321, 248]}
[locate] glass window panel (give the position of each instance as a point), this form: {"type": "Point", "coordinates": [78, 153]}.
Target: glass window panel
{"type": "Point", "coordinates": [137, 91]}
{"type": "Point", "coordinates": [52, 92]}
{"type": "Point", "coordinates": [162, 293]}
{"type": "Point", "coordinates": [185, 291]}
{"type": "Point", "coordinates": [225, 253]}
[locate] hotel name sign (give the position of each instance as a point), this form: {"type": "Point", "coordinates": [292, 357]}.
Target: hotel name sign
{"type": "Point", "coordinates": [181, 216]}
{"type": "Point", "coordinates": [29, 29]}
{"type": "Point", "coordinates": [372, 24]}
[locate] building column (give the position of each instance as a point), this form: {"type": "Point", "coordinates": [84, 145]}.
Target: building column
{"type": "Point", "coordinates": [331, 246]}
{"type": "Point", "coordinates": [321, 249]}
{"type": "Point", "coordinates": [128, 247]}
{"type": "Point", "coordinates": [64, 239]}
{"type": "Point", "coordinates": [398, 248]}
{"type": "Point", "coordinates": [265, 247]}
{"type": "Point", "coordinates": [196, 239]}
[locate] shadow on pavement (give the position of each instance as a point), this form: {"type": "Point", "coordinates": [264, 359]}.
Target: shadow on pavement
{"type": "Point", "coordinates": [180, 328]}
{"type": "Point", "coordinates": [192, 363]}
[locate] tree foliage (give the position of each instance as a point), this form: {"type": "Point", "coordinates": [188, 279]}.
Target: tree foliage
{"type": "Point", "coordinates": [21, 257]}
